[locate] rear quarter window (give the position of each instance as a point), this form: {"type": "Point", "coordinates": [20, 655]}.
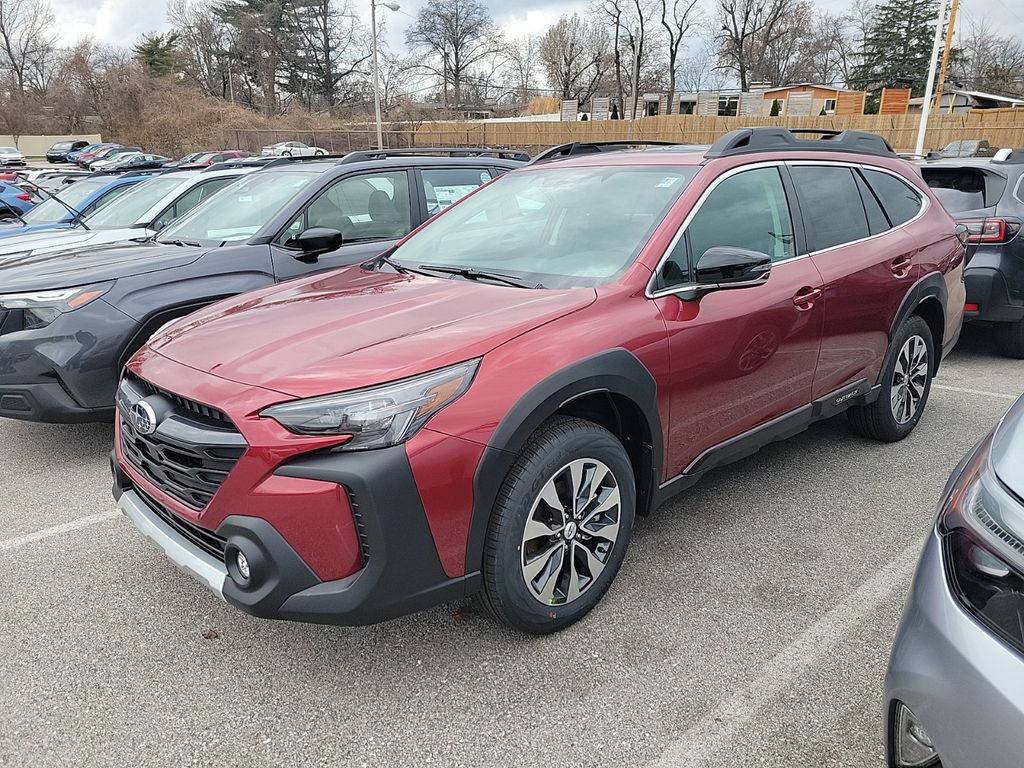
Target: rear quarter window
{"type": "Point", "coordinates": [900, 200]}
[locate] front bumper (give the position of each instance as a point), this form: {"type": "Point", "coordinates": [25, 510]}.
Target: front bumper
{"type": "Point", "coordinates": [963, 684]}
{"type": "Point", "coordinates": [66, 371]}
{"type": "Point", "coordinates": [402, 572]}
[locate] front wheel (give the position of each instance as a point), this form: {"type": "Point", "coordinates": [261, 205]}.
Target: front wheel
{"type": "Point", "coordinates": [906, 382]}
{"type": "Point", "coordinates": [319, 153]}
{"type": "Point", "coordinates": [560, 528]}
{"type": "Point", "coordinates": [1010, 339]}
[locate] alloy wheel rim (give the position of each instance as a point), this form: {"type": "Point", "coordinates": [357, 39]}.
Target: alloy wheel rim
{"type": "Point", "coordinates": [570, 532]}
{"type": "Point", "coordinates": [909, 379]}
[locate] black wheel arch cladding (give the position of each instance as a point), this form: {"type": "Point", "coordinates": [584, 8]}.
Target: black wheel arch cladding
{"type": "Point", "coordinates": [931, 287]}
{"type": "Point", "coordinates": [614, 373]}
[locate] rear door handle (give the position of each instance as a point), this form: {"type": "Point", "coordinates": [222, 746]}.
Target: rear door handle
{"type": "Point", "coordinates": [806, 297]}
{"type": "Point", "coordinates": [901, 266]}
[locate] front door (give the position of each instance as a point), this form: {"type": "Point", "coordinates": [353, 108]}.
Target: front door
{"type": "Point", "coordinates": [371, 210]}
{"type": "Point", "coordinates": [740, 357]}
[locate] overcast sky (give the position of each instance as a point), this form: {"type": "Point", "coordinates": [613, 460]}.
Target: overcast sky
{"type": "Point", "coordinates": [120, 21]}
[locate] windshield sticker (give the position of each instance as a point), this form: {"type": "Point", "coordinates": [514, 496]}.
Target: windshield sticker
{"type": "Point", "coordinates": [668, 181]}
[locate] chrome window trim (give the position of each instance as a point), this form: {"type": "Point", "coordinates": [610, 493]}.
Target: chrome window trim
{"type": "Point", "coordinates": [925, 205]}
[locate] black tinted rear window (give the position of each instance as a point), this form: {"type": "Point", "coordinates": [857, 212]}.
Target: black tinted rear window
{"type": "Point", "coordinates": [900, 201]}
{"type": "Point", "coordinates": [964, 189]}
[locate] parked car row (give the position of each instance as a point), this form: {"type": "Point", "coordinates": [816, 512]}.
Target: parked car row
{"type": "Point", "coordinates": [473, 374]}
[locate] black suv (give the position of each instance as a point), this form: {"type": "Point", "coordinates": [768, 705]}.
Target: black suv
{"type": "Point", "coordinates": [69, 321]}
{"type": "Point", "coordinates": [987, 195]}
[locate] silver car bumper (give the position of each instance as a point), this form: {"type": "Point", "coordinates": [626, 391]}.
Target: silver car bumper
{"type": "Point", "coordinates": [195, 562]}
{"type": "Point", "coordinates": [964, 685]}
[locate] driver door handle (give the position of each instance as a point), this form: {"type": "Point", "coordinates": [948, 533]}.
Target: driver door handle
{"type": "Point", "coordinates": [806, 297]}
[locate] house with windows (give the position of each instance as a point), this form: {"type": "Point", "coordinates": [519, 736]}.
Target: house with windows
{"type": "Point", "coordinates": [800, 99]}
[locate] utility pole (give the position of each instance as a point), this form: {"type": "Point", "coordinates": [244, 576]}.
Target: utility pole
{"type": "Point", "coordinates": [376, 70]}
{"type": "Point", "coordinates": [926, 103]}
{"type": "Point", "coordinates": [950, 26]}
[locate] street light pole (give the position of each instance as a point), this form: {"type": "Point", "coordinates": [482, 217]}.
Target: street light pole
{"type": "Point", "coordinates": [922, 127]}
{"type": "Point", "coordinates": [376, 71]}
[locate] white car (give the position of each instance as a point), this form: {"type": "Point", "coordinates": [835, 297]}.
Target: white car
{"type": "Point", "coordinates": [139, 213]}
{"type": "Point", "coordinates": [11, 156]}
{"type": "Point", "coordinates": [292, 149]}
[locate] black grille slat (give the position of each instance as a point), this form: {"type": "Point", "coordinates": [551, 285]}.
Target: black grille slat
{"type": "Point", "coordinates": [193, 450]}
{"type": "Point", "coordinates": [206, 540]}
{"type": "Point", "coordinates": [364, 540]}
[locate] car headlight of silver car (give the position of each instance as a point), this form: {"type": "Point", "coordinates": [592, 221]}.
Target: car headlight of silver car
{"type": "Point", "coordinates": [381, 416]}
{"type": "Point", "coordinates": [43, 307]}
{"type": "Point", "coordinates": [982, 526]}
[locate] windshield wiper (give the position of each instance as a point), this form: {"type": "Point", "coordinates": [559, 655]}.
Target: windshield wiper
{"type": "Point", "coordinates": [181, 242]}
{"type": "Point", "coordinates": [78, 216]}
{"type": "Point", "coordinates": [472, 273]}
{"type": "Point", "coordinates": [401, 269]}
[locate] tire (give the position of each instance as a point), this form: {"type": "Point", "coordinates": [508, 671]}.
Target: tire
{"type": "Point", "coordinates": [318, 153]}
{"type": "Point", "coordinates": [286, 154]}
{"type": "Point", "coordinates": [906, 383]}
{"type": "Point", "coordinates": [1010, 339]}
{"type": "Point", "coordinates": [528, 538]}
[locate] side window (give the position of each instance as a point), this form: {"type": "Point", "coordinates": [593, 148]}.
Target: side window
{"type": "Point", "coordinates": [748, 210]}
{"type": "Point", "coordinates": [443, 186]}
{"type": "Point", "coordinates": [831, 205]}
{"type": "Point", "coordinates": [899, 200]}
{"type": "Point", "coordinates": [374, 206]}
{"type": "Point", "coordinates": [877, 222]}
{"type": "Point", "coordinates": [105, 198]}
{"type": "Point", "coordinates": [189, 200]}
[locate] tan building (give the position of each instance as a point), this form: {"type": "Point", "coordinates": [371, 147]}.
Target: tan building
{"type": "Point", "coordinates": [802, 99]}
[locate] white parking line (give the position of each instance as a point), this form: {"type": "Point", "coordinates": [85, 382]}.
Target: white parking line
{"type": "Point", "coordinates": [719, 727]}
{"type": "Point", "coordinates": [57, 530]}
{"type": "Point", "coordinates": [966, 391]}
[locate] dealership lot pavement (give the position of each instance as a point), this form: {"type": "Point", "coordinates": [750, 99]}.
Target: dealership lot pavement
{"type": "Point", "coordinates": [750, 625]}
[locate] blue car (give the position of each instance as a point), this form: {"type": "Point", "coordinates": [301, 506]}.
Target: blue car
{"type": "Point", "coordinates": [83, 197]}
{"type": "Point", "coordinates": [14, 201]}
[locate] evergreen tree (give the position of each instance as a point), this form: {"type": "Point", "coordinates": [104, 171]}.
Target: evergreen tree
{"type": "Point", "coordinates": [898, 45]}
{"type": "Point", "coordinates": [156, 53]}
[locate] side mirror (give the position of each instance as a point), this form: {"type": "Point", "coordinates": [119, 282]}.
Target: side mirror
{"type": "Point", "coordinates": [316, 241]}
{"type": "Point", "coordinates": [728, 267]}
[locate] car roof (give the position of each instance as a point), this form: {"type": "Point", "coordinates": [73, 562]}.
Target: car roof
{"type": "Point", "coordinates": [322, 165]}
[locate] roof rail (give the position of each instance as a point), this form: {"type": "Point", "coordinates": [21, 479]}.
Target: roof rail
{"type": "Point", "coordinates": [771, 139]}
{"type": "Point", "coordinates": [377, 154]}
{"type": "Point", "coordinates": [574, 148]}
{"type": "Point", "coordinates": [128, 172]}
{"type": "Point", "coordinates": [273, 162]}
{"type": "Point", "coordinates": [241, 162]}
{"type": "Point", "coordinates": [1009, 156]}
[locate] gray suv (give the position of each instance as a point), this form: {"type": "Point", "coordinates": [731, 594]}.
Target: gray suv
{"type": "Point", "coordinates": [69, 321]}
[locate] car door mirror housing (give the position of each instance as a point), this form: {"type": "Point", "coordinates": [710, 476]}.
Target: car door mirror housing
{"type": "Point", "coordinates": [728, 267]}
{"type": "Point", "coordinates": [316, 241]}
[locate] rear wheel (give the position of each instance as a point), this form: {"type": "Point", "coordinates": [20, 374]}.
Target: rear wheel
{"type": "Point", "coordinates": [560, 528]}
{"type": "Point", "coordinates": [1010, 339]}
{"type": "Point", "coordinates": [318, 153]}
{"type": "Point", "coordinates": [906, 382]}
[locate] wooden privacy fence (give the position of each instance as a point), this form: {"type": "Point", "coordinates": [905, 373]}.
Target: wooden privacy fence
{"type": "Point", "coordinates": [1000, 127]}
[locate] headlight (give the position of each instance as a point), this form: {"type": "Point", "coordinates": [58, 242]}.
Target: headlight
{"type": "Point", "coordinates": [377, 417]}
{"type": "Point", "coordinates": [43, 307]}
{"type": "Point", "coordinates": [982, 526]}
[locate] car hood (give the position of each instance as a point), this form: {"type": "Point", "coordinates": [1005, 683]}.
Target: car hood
{"type": "Point", "coordinates": [64, 269]}
{"type": "Point", "coordinates": [1007, 452]}
{"type": "Point", "coordinates": [355, 328]}
{"type": "Point", "coordinates": [63, 239]}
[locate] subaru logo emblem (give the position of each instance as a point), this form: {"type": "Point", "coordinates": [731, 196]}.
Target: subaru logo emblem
{"type": "Point", "coordinates": [144, 418]}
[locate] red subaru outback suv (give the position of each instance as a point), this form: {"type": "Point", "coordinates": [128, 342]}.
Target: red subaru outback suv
{"type": "Point", "coordinates": [487, 407]}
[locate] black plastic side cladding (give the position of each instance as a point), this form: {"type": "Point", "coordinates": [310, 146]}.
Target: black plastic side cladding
{"type": "Point", "coordinates": [930, 286]}
{"type": "Point", "coordinates": [615, 371]}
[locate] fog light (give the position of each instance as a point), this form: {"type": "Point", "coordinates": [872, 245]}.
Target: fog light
{"type": "Point", "coordinates": [913, 747]}
{"type": "Point", "coordinates": [243, 565]}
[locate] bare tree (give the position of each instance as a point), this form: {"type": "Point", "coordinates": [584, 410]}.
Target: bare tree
{"type": "Point", "coordinates": [27, 39]}
{"type": "Point", "coordinates": [573, 54]}
{"type": "Point", "coordinates": [698, 73]}
{"type": "Point", "coordinates": [748, 27]}
{"type": "Point", "coordinates": [453, 36]}
{"type": "Point", "coordinates": [327, 50]}
{"type": "Point", "coordinates": [616, 15]}
{"type": "Point", "coordinates": [522, 64]}
{"type": "Point", "coordinates": [989, 61]}
{"type": "Point", "coordinates": [677, 16]}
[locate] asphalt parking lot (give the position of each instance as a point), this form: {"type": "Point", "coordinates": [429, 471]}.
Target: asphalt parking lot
{"type": "Point", "coordinates": [750, 625]}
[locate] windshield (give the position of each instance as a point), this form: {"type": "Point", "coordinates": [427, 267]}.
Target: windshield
{"type": "Point", "coordinates": [127, 209]}
{"type": "Point", "coordinates": [560, 227]}
{"type": "Point", "coordinates": [240, 210]}
{"type": "Point", "coordinates": [50, 211]}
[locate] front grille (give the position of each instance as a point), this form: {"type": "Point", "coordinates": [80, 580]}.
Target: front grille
{"type": "Point", "coordinates": [364, 541]}
{"type": "Point", "coordinates": [206, 540]}
{"type": "Point", "coordinates": [190, 453]}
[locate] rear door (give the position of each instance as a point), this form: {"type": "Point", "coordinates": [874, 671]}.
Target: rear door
{"type": "Point", "coordinates": [866, 262]}
{"type": "Point", "coordinates": [740, 357]}
{"type": "Point", "coordinates": [444, 186]}
{"type": "Point", "coordinates": [371, 210]}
